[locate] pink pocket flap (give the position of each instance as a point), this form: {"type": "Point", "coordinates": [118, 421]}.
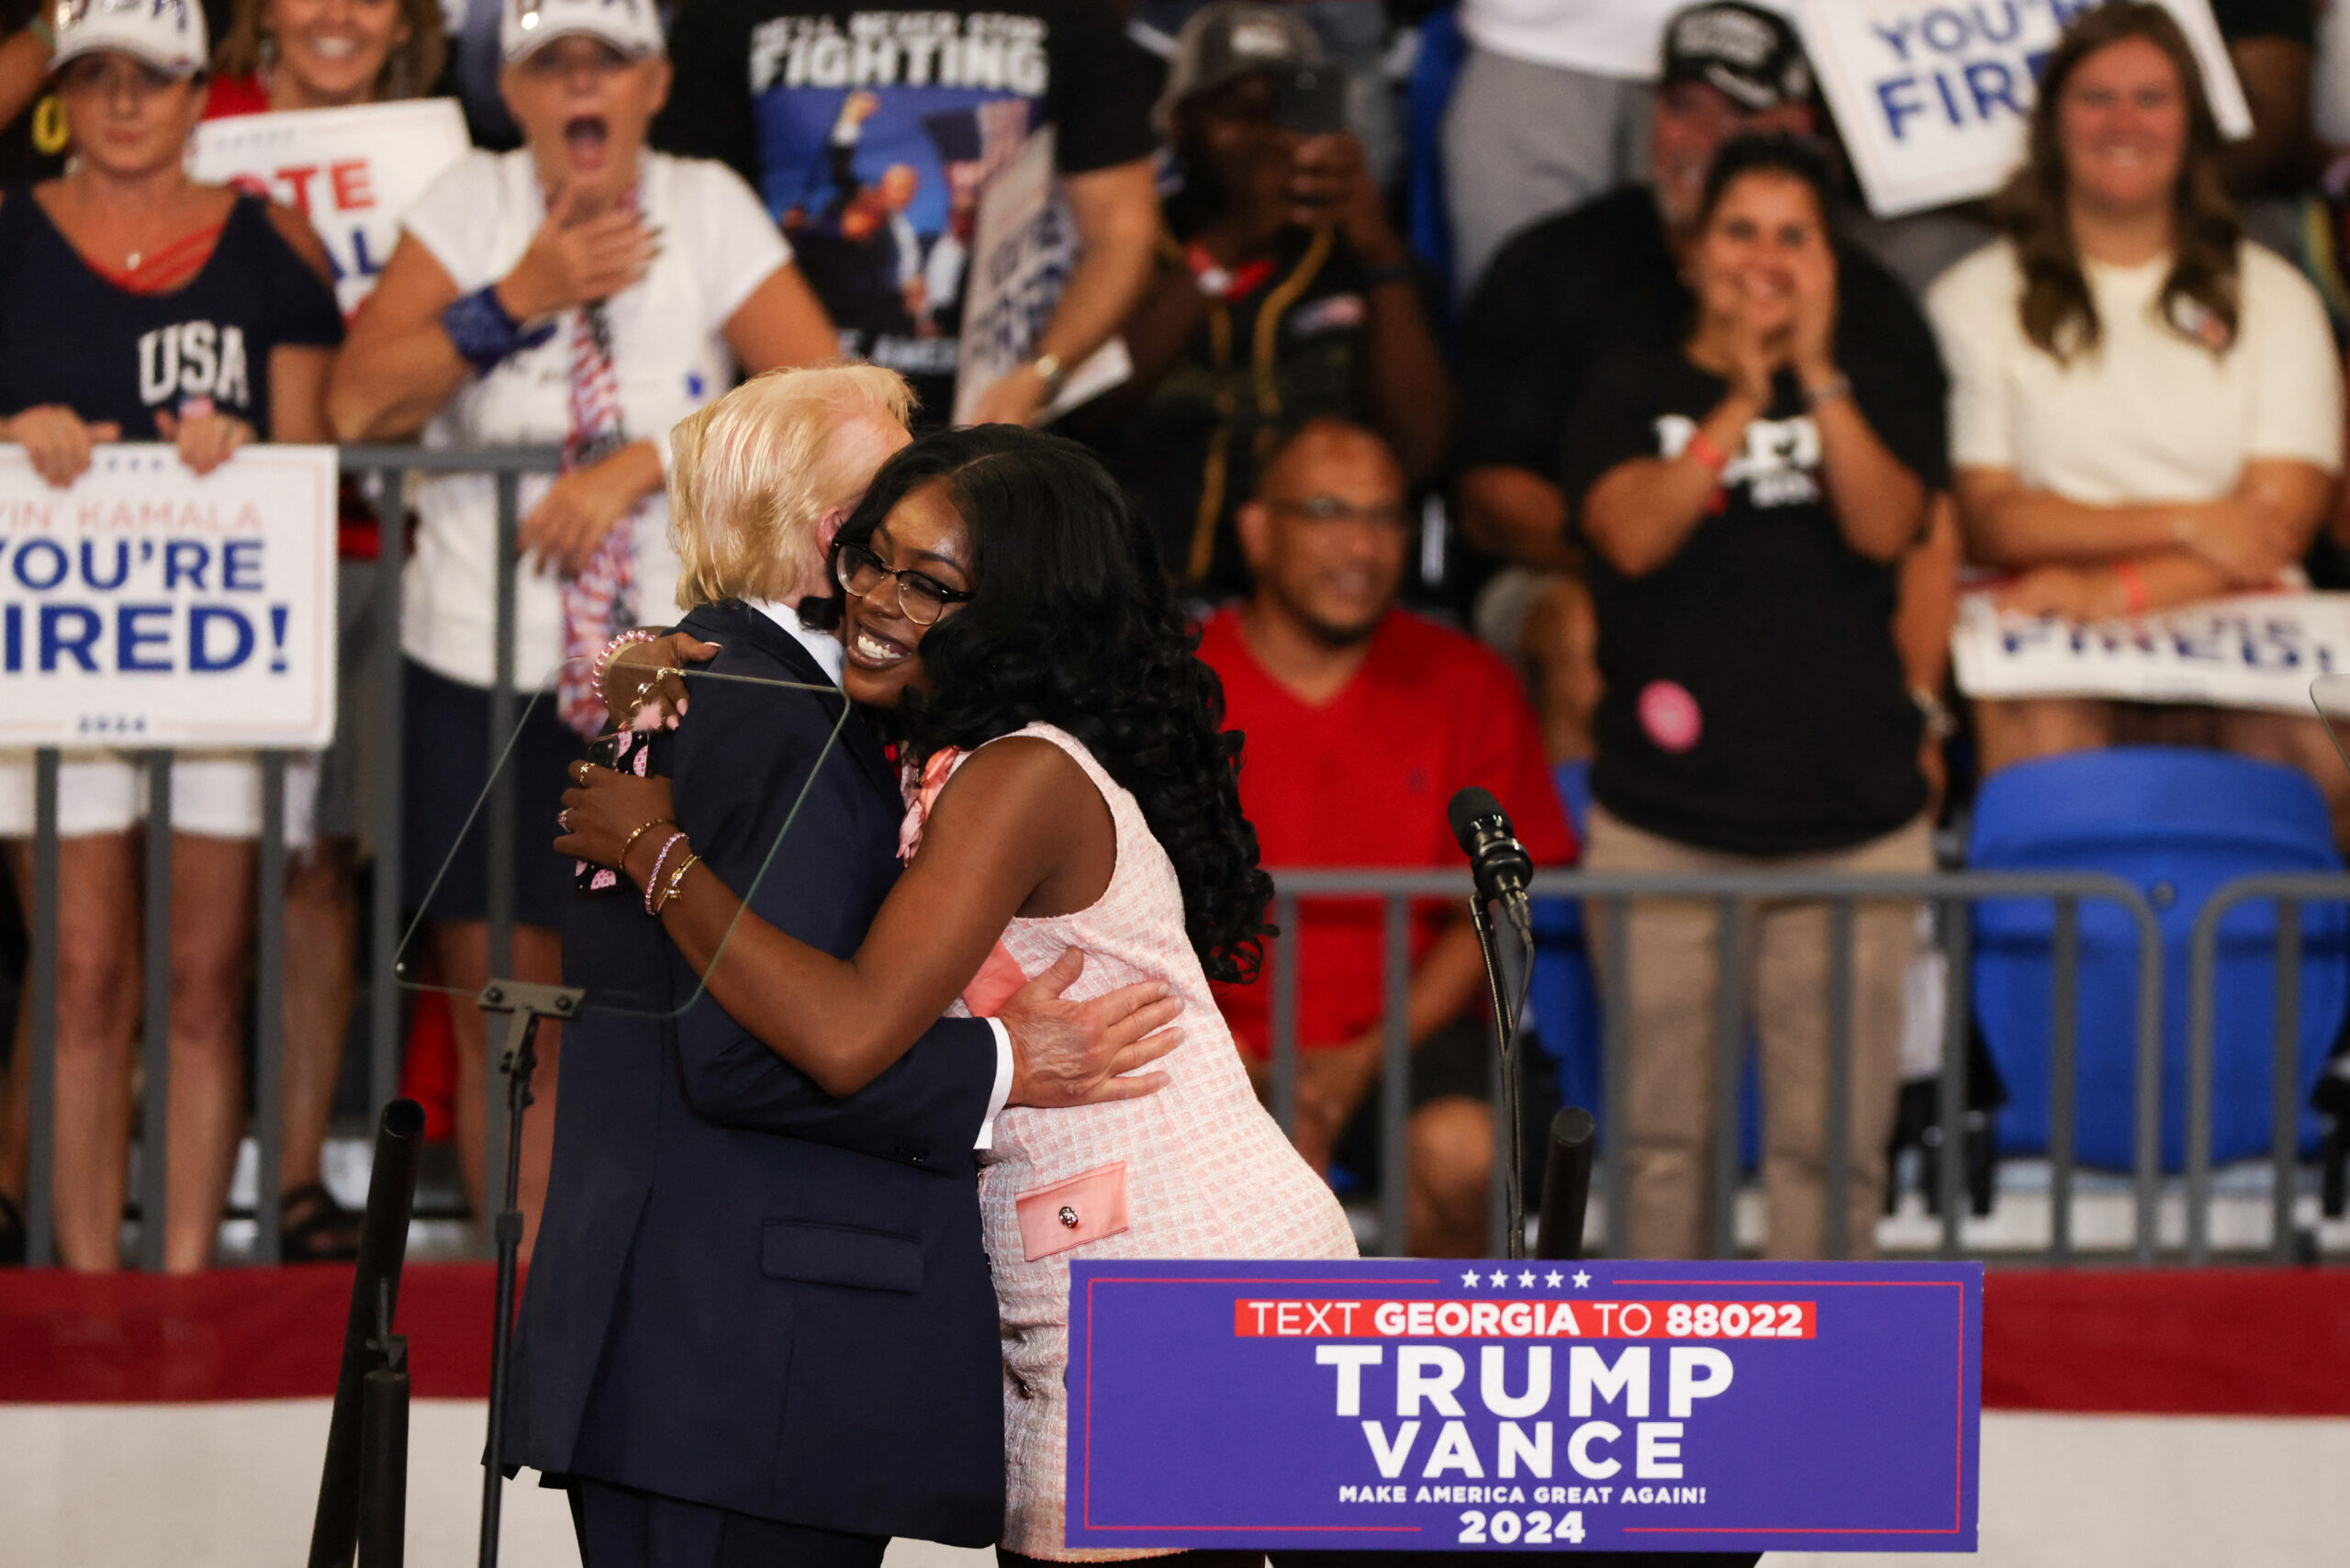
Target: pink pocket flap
{"type": "Point", "coordinates": [1072, 1212]}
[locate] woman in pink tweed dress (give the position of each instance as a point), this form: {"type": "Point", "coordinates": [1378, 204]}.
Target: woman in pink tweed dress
{"type": "Point", "coordinates": [1068, 786]}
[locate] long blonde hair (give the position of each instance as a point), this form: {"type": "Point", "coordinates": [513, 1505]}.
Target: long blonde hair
{"type": "Point", "coordinates": [752, 473]}
{"type": "Point", "coordinates": [409, 70]}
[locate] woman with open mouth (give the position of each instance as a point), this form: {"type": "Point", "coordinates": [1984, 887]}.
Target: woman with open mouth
{"type": "Point", "coordinates": [583, 291]}
{"type": "Point", "coordinates": [1070, 784]}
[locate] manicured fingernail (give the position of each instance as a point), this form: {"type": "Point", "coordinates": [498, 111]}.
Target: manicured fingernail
{"type": "Point", "coordinates": [1166, 991]}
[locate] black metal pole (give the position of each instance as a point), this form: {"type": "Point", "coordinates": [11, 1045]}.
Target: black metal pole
{"type": "Point", "coordinates": [1566, 1185]}
{"type": "Point", "coordinates": [520, 1066]}
{"type": "Point", "coordinates": [382, 1448]}
{"type": "Point", "coordinates": [374, 1293]}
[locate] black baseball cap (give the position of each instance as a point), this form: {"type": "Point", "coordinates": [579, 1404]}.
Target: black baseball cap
{"type": "Point", "coordinates": [1231, 38]}
{"type": "Point", "coordinates": [1748, 54]}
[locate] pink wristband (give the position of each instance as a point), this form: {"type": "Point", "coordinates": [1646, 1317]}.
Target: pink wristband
{"type": "Point", "coordinates": [653, 882]}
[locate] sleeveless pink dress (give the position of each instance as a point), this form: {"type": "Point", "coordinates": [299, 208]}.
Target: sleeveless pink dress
{"type": "Point", "coordinates": [1198, 1170]}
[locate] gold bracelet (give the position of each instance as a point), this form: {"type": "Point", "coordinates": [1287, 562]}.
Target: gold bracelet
{"type": "Point", "coordinates": [630, 842]}
{"type": "Point", "coordinates": [677, 880]}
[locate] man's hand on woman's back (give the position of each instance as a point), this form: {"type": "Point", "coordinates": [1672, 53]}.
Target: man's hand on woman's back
{"type": "Point", "coordinates": [1078, 1053]}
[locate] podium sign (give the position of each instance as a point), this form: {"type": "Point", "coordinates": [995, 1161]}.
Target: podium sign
{"type": "Point", "coordinates": [1413, 1404]}
{"type": "Point", "coordinates": [147, 607]}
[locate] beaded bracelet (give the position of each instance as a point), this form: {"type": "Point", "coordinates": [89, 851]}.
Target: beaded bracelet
{"type": "Point", "coordinates": [677, 880]}
{"type": "Point", "coordinates": [653, 879]}
{"type": "Point", "coordinates": [611, 651]}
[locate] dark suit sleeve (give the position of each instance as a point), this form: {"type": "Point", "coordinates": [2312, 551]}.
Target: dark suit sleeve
{"type": "Point", "coordinates": [738, 764]}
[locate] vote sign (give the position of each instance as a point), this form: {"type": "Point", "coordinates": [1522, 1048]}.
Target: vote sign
{"type": "Point", "coordinates": [353, 172]}
{"type": "Point", "coordinates": [1410, 1404]}
{"type": "Point", "coordinates": [147, 607]}
{"type": "Point", "coordinates": [1931, 95]}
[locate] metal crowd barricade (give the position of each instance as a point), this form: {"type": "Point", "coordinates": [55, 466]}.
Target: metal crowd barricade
{"type": "Point", "coordinates": [2289, 893]}
{"type": "Point", "coordinates": [1953, 893]}
{"type": "Point", "coordinates": [1606, 896]}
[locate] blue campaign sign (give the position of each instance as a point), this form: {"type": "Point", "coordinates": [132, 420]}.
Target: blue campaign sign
{"type": "Point", "coordinates": [1415, 1405]}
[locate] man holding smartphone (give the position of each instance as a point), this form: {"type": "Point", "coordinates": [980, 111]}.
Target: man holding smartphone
{"type": "Point", "coordinates": [1283, 293]}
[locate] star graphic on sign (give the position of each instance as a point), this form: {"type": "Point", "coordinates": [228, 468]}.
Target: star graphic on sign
{"type": "Point", "coordinates": [1582, 1279]}
{"type": "Point", "coordinates": [1552, 1279]}
{"type": "Point", "coordinates": [1469, 1279]}
{"type": "Point", "coordinates": [1500, 1278]}
{"type": "Point", "coordinates": [1526, 1278]}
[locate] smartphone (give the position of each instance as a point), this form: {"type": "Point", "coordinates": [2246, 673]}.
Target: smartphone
{"type": "Point", "coordinates": [623, 751]}
{"type": "Point", "coordinates": [1312, 103]}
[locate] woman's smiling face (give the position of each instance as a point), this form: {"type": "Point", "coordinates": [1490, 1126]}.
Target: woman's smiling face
{"type": "Point", "coordinates": [925, 534]}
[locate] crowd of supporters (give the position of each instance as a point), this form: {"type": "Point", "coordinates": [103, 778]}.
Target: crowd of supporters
{"type": "Point", "coordinates": [1615, 369]}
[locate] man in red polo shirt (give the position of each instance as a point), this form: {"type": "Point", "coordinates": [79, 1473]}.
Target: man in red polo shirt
{"type": "Point", "coordinates": [1362, 720]}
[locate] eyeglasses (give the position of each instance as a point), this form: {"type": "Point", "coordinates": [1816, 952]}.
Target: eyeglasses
{"type": "Point", "coordinates": [922, 599]}
{"type": "Point", "coordinates": [1330, 509]}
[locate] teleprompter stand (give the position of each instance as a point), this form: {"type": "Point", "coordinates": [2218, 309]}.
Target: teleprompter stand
{"type": "Point", "coordinates": [527, 1005]}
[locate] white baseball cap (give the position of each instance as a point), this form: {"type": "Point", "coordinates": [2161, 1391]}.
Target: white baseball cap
{"type": "Point", "coordinates": [166, 34]}
{"type": "Point", "coordinates": [524, 26]}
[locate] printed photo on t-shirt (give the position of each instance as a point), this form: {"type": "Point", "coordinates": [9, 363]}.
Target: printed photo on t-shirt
{"type": "Point", "coordinates": [879, 131]}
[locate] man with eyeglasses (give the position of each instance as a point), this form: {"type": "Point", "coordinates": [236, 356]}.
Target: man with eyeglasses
{"type": "Point", "coordinates": [1362, 720]}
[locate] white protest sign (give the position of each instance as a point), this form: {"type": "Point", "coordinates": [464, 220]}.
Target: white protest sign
{"type": "Point", "coordinates": [1931, 95]}
{"type": "Point", "coordinates": [147, 607]}
{"type": "Point", "coordinates": [2258, 650]}
{"type": "Point", "coordinates": [354, 173]}
{"type": "Point", "coordinates": [1024, 244]}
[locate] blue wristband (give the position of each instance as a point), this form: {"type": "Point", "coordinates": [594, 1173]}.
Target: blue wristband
{"type": "Point", "coordinates": [484, 334]}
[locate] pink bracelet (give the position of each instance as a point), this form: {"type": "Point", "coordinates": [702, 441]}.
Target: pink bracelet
{"type": "Point", "coordinates": [611, 651]}
{"type": "Point", "coordinates": [653, 882]}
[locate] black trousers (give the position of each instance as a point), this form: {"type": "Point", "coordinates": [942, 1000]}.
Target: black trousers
{"type": "Point", "coordinates": [619, 1526]}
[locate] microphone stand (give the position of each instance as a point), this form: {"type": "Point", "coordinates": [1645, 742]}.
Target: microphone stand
{"type": "Point", "coordinates": [1506, 1050]}
{"type": "Point", "coordinates": [527, 1003]}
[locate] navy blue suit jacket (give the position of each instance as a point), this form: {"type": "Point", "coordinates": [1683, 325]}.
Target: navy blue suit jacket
{"type": "Point", "coordinates": [746, 1293]}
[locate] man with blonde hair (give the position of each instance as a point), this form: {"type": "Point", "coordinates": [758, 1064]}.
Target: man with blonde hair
{"type": "Point", "coordinates": [759, 1324]}
{"type": "Point", "coordinates": [764, 478]}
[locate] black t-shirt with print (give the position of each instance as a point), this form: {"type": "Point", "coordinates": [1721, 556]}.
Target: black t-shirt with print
{"type": "Point", "coordinates": [872, 129]}
{"type": "Point", "coordinates": [1754, 701]}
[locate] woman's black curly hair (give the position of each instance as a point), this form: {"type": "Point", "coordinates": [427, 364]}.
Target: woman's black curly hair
{"type": "Point", "coordinates": [1074, 624]}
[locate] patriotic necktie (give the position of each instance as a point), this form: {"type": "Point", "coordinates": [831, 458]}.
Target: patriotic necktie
{"type": "Point", "coordinates": [600, 602]}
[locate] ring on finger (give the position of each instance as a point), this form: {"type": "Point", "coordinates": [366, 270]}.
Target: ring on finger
{"type": "Point", "coordinates": [562, 819]}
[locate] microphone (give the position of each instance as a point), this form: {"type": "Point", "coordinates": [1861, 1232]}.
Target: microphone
{"type": "Point", "coordinates": [1496, 859]}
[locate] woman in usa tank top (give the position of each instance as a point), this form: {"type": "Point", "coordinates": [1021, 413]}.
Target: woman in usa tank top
{"type": "Point", "coordinates": [138, 304]}
{"type": "Point", "coordinates": [1069, 785]}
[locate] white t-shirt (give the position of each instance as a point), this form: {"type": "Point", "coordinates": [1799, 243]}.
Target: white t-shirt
{"type": "Point", "coordinates": [717, 247]}
{"type": "Point", "coordinates": [1604, 38]}
{"type": "Point", "coordinates": [2149, 414]}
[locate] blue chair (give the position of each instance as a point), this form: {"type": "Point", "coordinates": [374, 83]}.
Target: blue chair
{"type": "Point", "coordinates": [2175, 823]}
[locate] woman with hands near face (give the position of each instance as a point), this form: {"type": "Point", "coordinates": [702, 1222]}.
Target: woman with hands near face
{"type": "Point", "coordinates": [585, 292]}
{"type": "Point", "coordinates": [1746, 495]}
